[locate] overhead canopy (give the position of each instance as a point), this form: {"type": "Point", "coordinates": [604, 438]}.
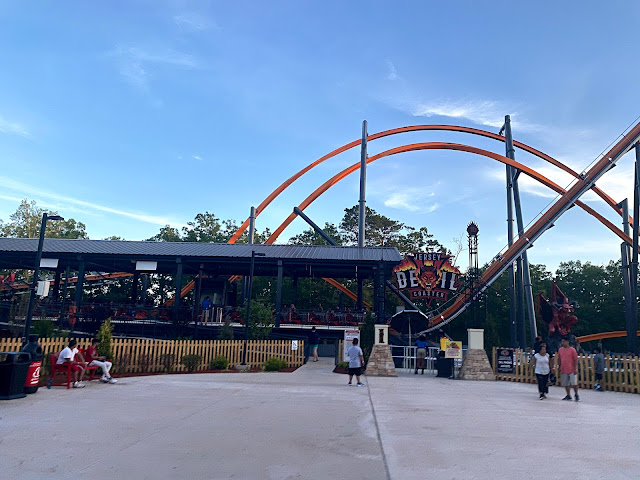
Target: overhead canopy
{"type": "Point", "coordinates": [214, 258]}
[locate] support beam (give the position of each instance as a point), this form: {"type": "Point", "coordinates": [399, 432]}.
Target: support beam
{"type": "Point", "coordinates": [64, 292]}
{"type": "Point", "coordinates": [56, 284]}
{"type": "Point", "coordinates": [527, 290]}
{"type": "Point", "coordinates": [145, 287]}
{"type": "Point", "coordinates": [79, 285]}
{"type": "Point", "coordinates": [279, 292]}
{"type": "Point", "coordinates": [294, 290]}
{"type": "Point", "coordinates": [633, 271]}
{"type": "Point", "coordinates": [363, 187]}
{"type": "Point", "coordinates": [178, 289]}
{"type": "Point", "coordinates": [513, 332]}
{"type": "Point", "coordinates": [134, 287]}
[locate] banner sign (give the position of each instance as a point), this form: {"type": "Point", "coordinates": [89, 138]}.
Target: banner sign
{"type": "Point", "coordinates": [349, 335]}
{"type": "Point", "coordinates": [453, 349]}
{"type": "Point", "coordinates": [505, 361]}
{"type": "Point", "coordinates": [427, 275]}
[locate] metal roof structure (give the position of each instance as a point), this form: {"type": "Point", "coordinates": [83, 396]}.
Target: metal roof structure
{"type": "Point", "coordinates": [214, 258]}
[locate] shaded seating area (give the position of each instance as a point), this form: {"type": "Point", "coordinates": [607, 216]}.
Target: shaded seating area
{"type": "Point", "coordinates": [68, 262]}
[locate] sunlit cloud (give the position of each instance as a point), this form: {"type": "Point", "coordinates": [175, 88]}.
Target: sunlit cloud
{"type": "Point", "coordinates": [12, 128]}
{"type": "Point", "coordinates": [196, 157]}
{"type": "Point", "coordinates": [391, 71]}
{"type": "Point", "coordinates": [193, 22]}
{"type": "Point", "coordinates": [62, 202]}
{"type": "Point", "coordinates": [135, 64]}
{"type": "Point", "coordinates": [412, 200]}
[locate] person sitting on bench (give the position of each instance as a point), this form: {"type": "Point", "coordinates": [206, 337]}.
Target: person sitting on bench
{"type": "Point", "coordinates": [99, 361]}
{"type": "Point", "coordinates": [67, 356]}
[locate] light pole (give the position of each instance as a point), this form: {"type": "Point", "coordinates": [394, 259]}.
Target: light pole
{"type": "Point", "coordinates": [36, 274]}
{"type": "Point", "coordinates": [248, 290]}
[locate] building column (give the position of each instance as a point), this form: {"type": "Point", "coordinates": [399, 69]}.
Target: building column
{"type": "Point", "coordinates": [279, 293]}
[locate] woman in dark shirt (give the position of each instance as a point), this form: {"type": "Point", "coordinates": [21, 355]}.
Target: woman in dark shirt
{"type": "Point", "coordinates": [314, 340]}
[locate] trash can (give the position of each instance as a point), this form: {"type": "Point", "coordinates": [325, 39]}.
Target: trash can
{"type": "Point", "coordinates": [33, 375]}
{"type": "Point", "coordinates": [444, 366]}
{"type": "Point", "coordinates": [13, 373]}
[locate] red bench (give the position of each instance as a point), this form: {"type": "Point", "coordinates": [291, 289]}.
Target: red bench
{"type": "Point", "coordinates": [66, 368]}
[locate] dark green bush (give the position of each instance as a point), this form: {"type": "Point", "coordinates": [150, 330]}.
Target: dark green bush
{"type": "Point", "coordinates": [191, 362]}
{"type": "Point", "coordinates": [219, 363]}
{"type": "Point", "coordinates": [167, 361]}
{"type": "Point", "coordinates": [274, 364]}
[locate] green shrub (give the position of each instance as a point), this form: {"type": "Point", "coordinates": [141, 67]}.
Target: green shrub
{"type": "Point", "coordinates": [219, 363]}
{"type": "Point", "coordinates": [274, 364]}
{"type": "Point", "coordinates": [167, 361]}
{"type": "Point", "coordinates": [191, 362]}
{"type": "Point", "coordinates": [343, 365]}
{"type": "Point", "coordinates": [44, 328]}
{"type": "Point", "coordinates": [104, 337]}
{"type": "Point", "coordinates": [226, 332]}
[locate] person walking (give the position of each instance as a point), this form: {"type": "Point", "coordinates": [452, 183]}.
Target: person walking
{"type": "Point", "coordinates": [356, 361]}
{"type": "Point", "coordinates": [314, 341]}
{"type": "Point", "coordinates": [568, 365]}
{"type": "Point", "coordinates": [598, 367]}
{"type": "Point", "coordinates": [206, 310]}
{"type": "Point", "coordinates": [421, 353]}
{"type": "Point", "coordinates": [542, 366]}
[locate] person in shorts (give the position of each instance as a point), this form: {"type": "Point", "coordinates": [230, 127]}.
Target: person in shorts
{"type": "Point", "coordinates": [356, 361]}
{"type": "Point", "coordinates": [598, 367]}
{"type": "Point", "coordinates": [67, 356]}
{"type": "Point", "coordinates": [314, 341]}
{"type": "Point", "coordinates": [567, 359]}
{"type": "Point", "coordinates": [421, 353]}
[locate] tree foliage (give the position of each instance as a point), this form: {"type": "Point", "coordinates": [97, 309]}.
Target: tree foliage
{"type": "Point", "coordinates": [25, 222]}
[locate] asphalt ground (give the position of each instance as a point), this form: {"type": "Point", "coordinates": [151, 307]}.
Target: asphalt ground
{"type": "Point", "coordinates": [310, 425]}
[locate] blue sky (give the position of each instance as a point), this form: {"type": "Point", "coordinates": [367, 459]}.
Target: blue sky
{"type": "Point", "coordinates": [131, 115]}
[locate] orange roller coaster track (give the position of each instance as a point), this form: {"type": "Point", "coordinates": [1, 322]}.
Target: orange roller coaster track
{"type": "Point", "coordinates": [535, 231]}
{"type": "Point", "coordinates": [603, 335]}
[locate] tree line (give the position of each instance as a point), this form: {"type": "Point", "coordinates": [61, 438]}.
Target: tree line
{"type": "Point", "coordinates": [597, 288]}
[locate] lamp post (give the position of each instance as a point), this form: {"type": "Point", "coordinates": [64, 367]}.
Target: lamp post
{"type": "Point", "coordinates": [36, 273]}
{"type": "Point", "coordinates": [248, 290]}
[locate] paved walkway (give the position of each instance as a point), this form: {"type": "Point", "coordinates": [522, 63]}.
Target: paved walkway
{"type": "Point", "coordinates": [310, 425]}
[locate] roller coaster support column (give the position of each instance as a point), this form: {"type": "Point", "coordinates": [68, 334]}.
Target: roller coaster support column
{"type": "Point", "coordinates": [633, 345]}
{"type": "Point", "coordinates": [626, 278]}
{"type": "Point", "coordinates": [523, 261]}
{"type": "Point", "coordinates": [362, 213]}
{"type": "Point", "coordinates": [511, 272]}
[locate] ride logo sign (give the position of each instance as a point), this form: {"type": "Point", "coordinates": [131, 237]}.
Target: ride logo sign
{"type": "Point", "coordinates": [427, 275]}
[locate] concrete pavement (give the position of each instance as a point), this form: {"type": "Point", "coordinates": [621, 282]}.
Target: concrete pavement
{"type": "Point", "coordinates": [309, 425]}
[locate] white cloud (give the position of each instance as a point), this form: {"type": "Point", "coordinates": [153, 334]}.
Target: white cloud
{"type": "Point", "coordinates": [74, 204]}
{"type": "Point", "coordinates": [12, 128]}
{"type": "Point", "coordinates": [482, 112]}
{"type": "Point", "coordinates": [413, 200]}
{"type": "Point", "coordinates": [135, 63]}
{"type": "Point", "coordinates": [193, 22]}
{"type": "Point", "coordinates": [391, 69]}
{"type": "Point", "coordinates": [196, 157]}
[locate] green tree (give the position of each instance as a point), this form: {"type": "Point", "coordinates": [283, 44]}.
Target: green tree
{"type": "Point", "coordinates": [261, 322]}
{"type": "Point", "coordinates": [25, 222]}
{"type": "Point", "coordinates": [166, 234]}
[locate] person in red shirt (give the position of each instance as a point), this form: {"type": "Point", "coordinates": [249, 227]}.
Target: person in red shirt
{"type": "Point", "coordinates": [568, 365]}
{"type": "Point", "coordinates": [94, 360]}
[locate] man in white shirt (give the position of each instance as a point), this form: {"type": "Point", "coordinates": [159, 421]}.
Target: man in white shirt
{"type": "Point", "coordinates": [67, 356]}
{"type": "Point", "coordinates": [356, 361]}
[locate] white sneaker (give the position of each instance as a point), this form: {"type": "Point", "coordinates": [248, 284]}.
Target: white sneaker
{"type": "Point", "coordinates": [78, 385]}
{"type": "Point", "coordinates": [104, 379]}
{"type": "Point", "coordinates": [112, 380]}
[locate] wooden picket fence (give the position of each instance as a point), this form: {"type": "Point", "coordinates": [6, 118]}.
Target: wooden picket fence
{"type": "Point", "coordinates": [132, 355]}
{"type": "Point", "coordinates": [621, 373]}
